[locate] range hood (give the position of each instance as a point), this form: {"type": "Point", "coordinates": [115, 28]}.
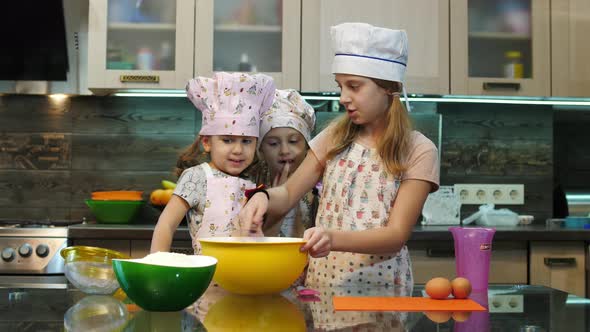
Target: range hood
{"type": "Point", "coordinates": [34, 44]}
{"type": "Point", "coordinates": [40, 46]}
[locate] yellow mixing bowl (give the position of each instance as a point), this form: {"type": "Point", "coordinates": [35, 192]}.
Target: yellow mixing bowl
{"type": "Point", "coordinates": [255, 265]}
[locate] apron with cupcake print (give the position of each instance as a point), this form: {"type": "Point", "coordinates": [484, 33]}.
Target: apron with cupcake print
{"type": "Point", "coordinates": [357, 195]}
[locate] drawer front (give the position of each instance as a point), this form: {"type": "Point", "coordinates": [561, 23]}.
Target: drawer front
{"type": "Point", "coordinates": [559, 265]}
{"type": "Point", "coordinates": [437, 259]}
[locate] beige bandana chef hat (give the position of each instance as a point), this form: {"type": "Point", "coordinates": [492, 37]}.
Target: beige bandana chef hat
{"type": "Point", "coordinates": [231, 103]}
{"type": "Point", "coordinates": [288, 110]}
{"type": "Point", "coordinates": [365, 50]}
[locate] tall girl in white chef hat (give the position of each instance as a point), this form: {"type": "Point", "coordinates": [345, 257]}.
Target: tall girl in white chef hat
{"type": "Point", "coordinates": [376, 171]}
{"type": "Point", "coordinates": [211, 194]}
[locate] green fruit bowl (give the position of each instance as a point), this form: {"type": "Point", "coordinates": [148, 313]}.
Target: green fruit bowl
{"type": "Point", "coordinates": [114, 211]}
{"type": "Point", "coordinates": [165, 288]}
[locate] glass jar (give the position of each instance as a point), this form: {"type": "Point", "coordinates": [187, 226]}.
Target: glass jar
{"type": "Point", "coordinates": [513, 67]}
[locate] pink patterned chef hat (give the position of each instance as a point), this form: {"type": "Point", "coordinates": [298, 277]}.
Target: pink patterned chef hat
{"type": "Point", "coordinates": [231, 103]}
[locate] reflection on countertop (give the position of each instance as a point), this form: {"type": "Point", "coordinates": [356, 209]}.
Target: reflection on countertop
{"type": "Point", "coordinates": [511, 307]}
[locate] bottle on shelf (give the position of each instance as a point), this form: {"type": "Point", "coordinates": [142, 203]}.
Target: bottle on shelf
{"type": "Point", "coordinates": [145, 59]}
{"type": "Point", "coordinates": [513, 67]}
{"type": "Point", "coordinates": [244, 64]}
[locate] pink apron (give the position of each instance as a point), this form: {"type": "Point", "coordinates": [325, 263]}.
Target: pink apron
{"type": "Point", "coordinates": [222, 204]}
{"type": "Point", "coordinates": [357, 195]}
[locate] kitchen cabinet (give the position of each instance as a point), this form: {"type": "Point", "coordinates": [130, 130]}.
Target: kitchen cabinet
{"type": "Point", "coordinates": [570, 49]}
{"type": "Point", "coordinates": [140, 44]}
{"type": "Point", "coordinates": [500, 47]}
{"type": "Point", "coordinates": [437, 259]}
{"type": "Point", "coordinates": [559, 265]}
{"type": "Point", "coordinates": [426, 23]}
{"type": "Point", "coordinates": [249, 35]}
{"type": "Point", "coordinates": [163, 44]}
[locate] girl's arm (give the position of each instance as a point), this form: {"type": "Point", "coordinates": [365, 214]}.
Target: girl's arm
{"type": "Point", "coordinates": [386, 240]}
{"type": "Point", "coordinates": [168, 222]}
{"type": "Point", "coordinates": [284, 197]}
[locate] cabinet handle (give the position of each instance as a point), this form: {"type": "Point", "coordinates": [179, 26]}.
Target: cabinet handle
{"type": "Point", "coordinates": [434, 252]}
{"type": "Point", "coordinates": [501, 86]}
{"type": "Point", "coordinates": [560, 262]}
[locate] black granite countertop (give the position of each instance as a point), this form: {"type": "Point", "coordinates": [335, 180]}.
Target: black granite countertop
{"type": "Point", "coordinates": [421, 233]}
{"type": "Point", "coordinates": [510, 308]}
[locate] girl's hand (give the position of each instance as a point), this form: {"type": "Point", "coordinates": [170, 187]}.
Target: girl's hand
{"type": "Point", "coordinates": [282, 176]}
{"type": "Point", "coordinates": [252, 215]}
{"type": "Point", "coordinates": [319, 242]}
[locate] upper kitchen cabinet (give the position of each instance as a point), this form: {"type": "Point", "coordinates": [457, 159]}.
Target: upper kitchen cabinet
{"type": "Point", "coordinates": [500, 47]}
{"type": "Point", "coordinates": [570, 50]}
{"type": "Point", "coordinates": [249, 36]}
{"type": "Point", "coordinates": [425, 21]}
{"type": "Point", "coordinates": [140, 44]}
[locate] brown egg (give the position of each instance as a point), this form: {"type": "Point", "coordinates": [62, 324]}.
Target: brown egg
{"type": "Point", "coordinates": [461, 288]}
{"type": "Point", "coordinates": [461, 316]}
{"type": "Point", "coordinates": [438, 316]}
{"type": "Point", "coordinates": [438, 288]}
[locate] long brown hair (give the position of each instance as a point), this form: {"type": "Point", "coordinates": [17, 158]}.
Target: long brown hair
{"type": "Point", "coordinates": [393, 147]}
{"type": "Point", "coordinates": [191, 156]}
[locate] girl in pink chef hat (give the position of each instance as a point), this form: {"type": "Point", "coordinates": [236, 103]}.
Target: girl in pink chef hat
{"type": "Point", "coordinates": [211, 193]}
{"type": "Point", "coordinates": [285, 130]}
{"type": "Point", "coordinates": [376, 171]}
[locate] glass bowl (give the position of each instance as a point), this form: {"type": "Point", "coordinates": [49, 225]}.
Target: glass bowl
{"type": "Point", "coordinates": [90, 269]}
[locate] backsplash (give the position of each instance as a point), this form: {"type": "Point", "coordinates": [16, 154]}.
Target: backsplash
{"type": "Point", "coordinates": [53, 153]}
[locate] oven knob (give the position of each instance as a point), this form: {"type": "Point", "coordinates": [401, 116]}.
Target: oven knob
{"type": "Point", "coordinates": [42, 250]}
{"type": "Point", "coordinates": [7, 254]}
{"type": "Point", "coordinates": [25, 250]}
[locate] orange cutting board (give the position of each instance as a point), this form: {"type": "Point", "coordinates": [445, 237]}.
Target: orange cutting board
{"type": "Point", "coordinates": [376, 303]}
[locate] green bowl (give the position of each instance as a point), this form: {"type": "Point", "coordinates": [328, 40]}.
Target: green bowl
{"type": "Point", "coordinates": [164, 288]}
{"type": "Point", "coordinates": [114, 212]}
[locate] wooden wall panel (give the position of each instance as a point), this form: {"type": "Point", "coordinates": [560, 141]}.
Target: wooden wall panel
{"type": "Point", "coordinates": [31, 114]}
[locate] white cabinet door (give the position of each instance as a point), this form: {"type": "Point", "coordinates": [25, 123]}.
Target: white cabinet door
{"type": "Point", "coordinates": [426, 23]}
{"type": "Point", "coordinates": [500, 48]}
{"type": "Point", "coordinates": [570, 49]}
{"type": "Point", "coordinates": [149, 46]}
{"type": "Point", "coordinates": [249, 36]}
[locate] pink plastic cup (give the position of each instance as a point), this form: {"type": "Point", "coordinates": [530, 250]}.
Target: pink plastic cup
{"type": "Point", "coordinates": [473, 250]}
{"type": "Point", "coordinates": [478, 320]}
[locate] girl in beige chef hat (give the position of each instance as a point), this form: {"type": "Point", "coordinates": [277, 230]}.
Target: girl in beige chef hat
{"type": "Point", "coordinates": [285, 130]}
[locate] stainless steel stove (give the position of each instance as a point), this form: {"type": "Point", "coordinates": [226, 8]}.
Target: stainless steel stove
{"type": "Point", "coordinates": [29, 252]}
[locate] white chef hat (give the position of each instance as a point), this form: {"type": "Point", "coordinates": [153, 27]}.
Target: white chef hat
{"type": "Point", "coordinates": [365, 50]}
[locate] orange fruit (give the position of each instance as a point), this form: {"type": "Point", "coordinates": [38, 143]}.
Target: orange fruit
{"type": "Point", "coordinates": [161, 196]}
{"type": "Point", "coordinates": [167, 195]}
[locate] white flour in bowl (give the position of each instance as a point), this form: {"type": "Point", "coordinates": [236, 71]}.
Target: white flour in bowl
{"type": "Point", "coordinates": [177, 260]}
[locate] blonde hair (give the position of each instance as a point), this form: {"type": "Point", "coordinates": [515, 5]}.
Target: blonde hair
{"type": "Point", "coordinates": [194, 155]}
{"type": "Point", "coordinates": [394, 145]}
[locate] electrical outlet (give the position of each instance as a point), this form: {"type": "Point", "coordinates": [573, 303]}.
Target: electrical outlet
{"type": "Point", "coordinates": [506, 303]}
{"type": "Point", "coordinates": [506, 194]}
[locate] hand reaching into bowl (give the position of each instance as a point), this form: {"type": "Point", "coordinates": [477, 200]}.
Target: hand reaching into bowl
{"type": "Point", "coordinates": [251, 217]}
